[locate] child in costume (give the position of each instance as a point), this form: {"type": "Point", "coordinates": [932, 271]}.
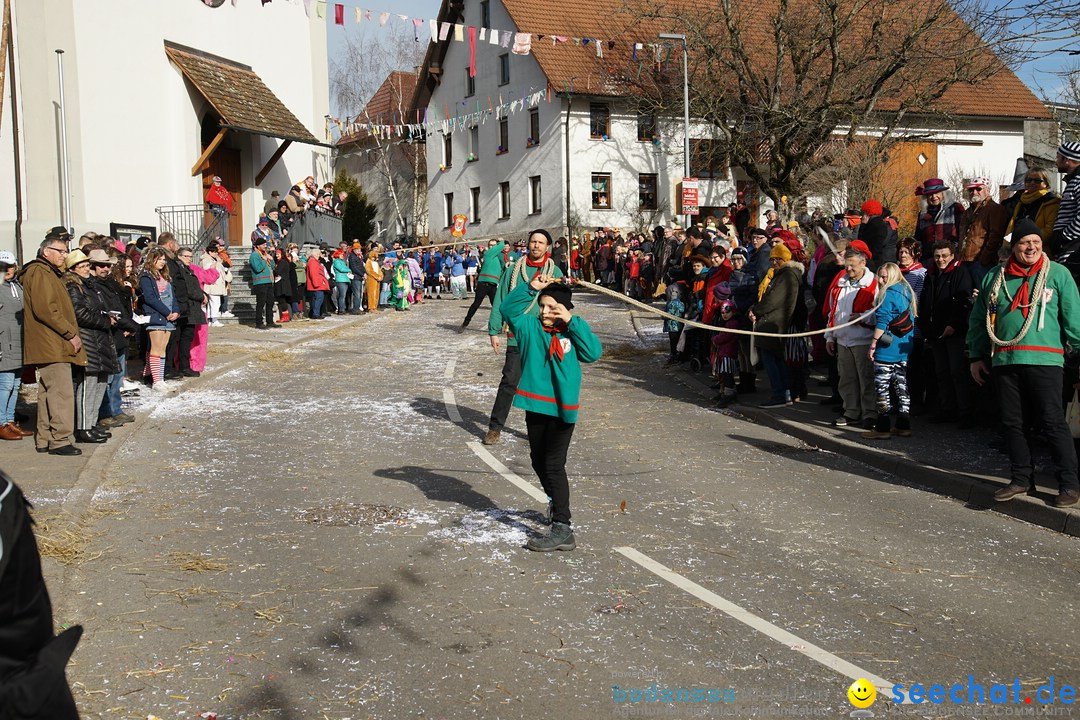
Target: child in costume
{"type": "Point", "coordinates": [725, 354]}
{"type": "Point", "coordinates": [552, 350]}
{"type": "Point", "coordinates": [676, 305]}
{"type": "Point", "coordinates": [400, 285]}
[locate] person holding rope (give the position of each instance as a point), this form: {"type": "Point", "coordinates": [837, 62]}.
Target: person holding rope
{"type": "Point", "coordinates": [487, 280]}
{"type": "Point", "coordinates": [1026, 313]}
{"type": "Point", "coordinates": [523, 270]}
{"type": "Point", "coordinates": [850, 296]}
{"type": "Point", "coordinates": [552, 348]}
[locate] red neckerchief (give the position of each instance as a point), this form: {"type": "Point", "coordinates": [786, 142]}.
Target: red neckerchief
{"type": "Point", "coordinates": [555, 347]}
{"type": "Point", "coordinates": [1023, 293]}
{"type": "Point", "coordinates": [538, 263]}
{"type": "Point", "coordinates": [951, 266]}
{"type": "Point", "coordinates": [916, 265]}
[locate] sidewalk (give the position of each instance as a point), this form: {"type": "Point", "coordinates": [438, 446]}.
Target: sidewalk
{"type": "Point", "coordinates": [68, 483]}
{"type": "Point", "coordinates": [939, 458]}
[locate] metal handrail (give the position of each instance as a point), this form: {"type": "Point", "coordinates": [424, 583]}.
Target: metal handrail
{"type": "Point", "coordinates": [189, 224]}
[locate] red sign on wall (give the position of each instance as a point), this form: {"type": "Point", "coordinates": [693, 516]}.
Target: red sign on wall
{"type": "Point", "coordinates": [689, 196]}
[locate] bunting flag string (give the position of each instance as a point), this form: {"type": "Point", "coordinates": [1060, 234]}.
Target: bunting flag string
{"type": "Point", "coordinates": [381, 127]}
{"type": "Point", "coordinates": [520, 42]}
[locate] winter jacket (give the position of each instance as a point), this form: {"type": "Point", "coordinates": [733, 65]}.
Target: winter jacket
{"type": "Point", "coordinates": [936, 224]}
{"type": "Point", "coordinates": [193, 291]}
{"type": "Point", "coordinates": [1040, 207]}
{"type": "Point", "coordinates": [758, 264]}
{"type": "Point", "coordinates": [776, 307]}
{"type": "Point", "coordinates": [457, 265]}
{"type": "Point", "coordinates": [415, 273]}
{"type": "Point", "coordinates": [356, 265]}
{"type": "Point", "coordinates": [91, 312]}
{"type": "Point", "coordinates": [549, 385]}
{"type": "Point", "coordinates": [153, 304]}
{"type": "Point", "coordinates": [847, 300]}
{"type": "Point", "coordinates": [945, 301]}
{"type": "Point", "coordinates": [48, 317]}
{"type": "Point", "coordinates": [1055, 323]}
{"type": "Point", "coordinates": [179, 284]}
{"type": "Point", "coordinates": [496, 318]}
{"type": "Point", "coordinates": [896, 302]}
{"type": "Point", "coordinates": [915, 274]}
{"type": "Point", "coordinates": [262, 272]}
{"type": "Point", "coordinates": [285, 280]}
{"type": "Point", "coordinates": [11, 326]}
{"type": "Point", "coordinates": [316, 275]}
{"type": "Point", "coordinates": [341, 270]}
{"type": "Point", "coordinates": [1066, 233]}
{"type": "Point", "coordinates": [725, 343]}
{"type": "Point", "coordinates": [32, 661]}
{"type": "Point", "coordinates": [875, 233]}
{"type": "Point", "coordinates": [119, 298]}
{"type": "Point", "coordinates": [982, 230]}
{"type": "Point", "coordinates": [224, 275]}
{"type": "Point", "coordinates": [743, 289]}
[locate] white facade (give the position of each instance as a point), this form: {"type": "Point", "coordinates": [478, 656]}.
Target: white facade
{"type": "Point", "coordinates": [621, 155]}
{"type": "Point", "coordinates": [133, 120]}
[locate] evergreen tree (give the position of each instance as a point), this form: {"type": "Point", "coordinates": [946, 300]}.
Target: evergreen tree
{"type": "Point", "coordinates": [358, 218]}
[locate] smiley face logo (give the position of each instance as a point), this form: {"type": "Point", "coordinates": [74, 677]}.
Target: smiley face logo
{"type": "Point", "coordinates": [861, 693]}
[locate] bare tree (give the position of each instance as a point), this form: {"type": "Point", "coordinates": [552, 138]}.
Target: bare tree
{"type": "Point", "coordinates": [790, 86]}
{"type": "Point", "coordinates": [367, 60]}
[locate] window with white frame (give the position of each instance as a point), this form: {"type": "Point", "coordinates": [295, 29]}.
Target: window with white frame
{"type": "Point", "coordinates": [448, 203]}
{"type": "Point", "coordinates": [534, 194]}
{"type": "Point", "coordinates": [504, 136]}
{"type": "Point", "coordinates": [470, 83]}
{"type": "Point", "coordinates": [474, 143]}
{"type": "Point", "coordinates": [504, 200]}
{"type": "Point", "coordinates": [534, 128]}
{"type": "Point", "coordinates": [601, 191]}
{"type": "Point", "coordinates": [504, 69]}
{"type": "Point", "coordinates": [474, 205]}
{"type": "Point", "coordinates": [447, 150]}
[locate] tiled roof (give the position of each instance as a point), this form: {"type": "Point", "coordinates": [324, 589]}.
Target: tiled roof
{"type": "Point", "coordinates": [395, 95]}
{"type": "Point", "coordinates": [238, 95]}
{"type": "Point", "coordinates": [578, 68]}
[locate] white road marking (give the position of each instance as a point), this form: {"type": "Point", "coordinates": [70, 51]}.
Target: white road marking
{"type": "Point", "coordinates": [507, 474]}
{"type": "Point", "coordinates": [753, 621]}
{"type": "Point", "coordinates": [448, 393]}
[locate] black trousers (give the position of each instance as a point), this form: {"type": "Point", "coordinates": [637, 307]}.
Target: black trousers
{"type": "Point", "coordinates": [1030, 396]}
{"type": "Point", "coordinates": [178, 351]}
{"type": "Point", "coordinates": [549, 441]}
{"type": "Point", "coordinates": [264, 304]}
{"type": "Point", "coordinates": [484, 289]}
{"type": "Point", "coordinates": [511, 376]}
{"type": "Point", "coordinates": [956, 394]}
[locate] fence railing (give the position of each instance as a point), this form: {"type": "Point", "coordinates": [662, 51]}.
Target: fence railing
{"type": "Point", "coordinates": [193, 225]}
{"type": "Point", "coordinates": [314, 228]}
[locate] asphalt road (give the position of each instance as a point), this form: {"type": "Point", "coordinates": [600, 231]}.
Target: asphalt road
{"type": "Point", "coordinates": [316, 534]}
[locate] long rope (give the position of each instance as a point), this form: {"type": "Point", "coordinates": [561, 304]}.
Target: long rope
{"type": "Point", "coordinates": [693, 323]}
{"type": "Point", "coordinates": [1036, 297]}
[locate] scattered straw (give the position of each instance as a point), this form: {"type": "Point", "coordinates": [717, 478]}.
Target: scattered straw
{"type": "Point", "coordinates": [279, 358]}
{"type": "Point", "coordinates": [64, 542]}
{"type": "Point", "coordinates": [191, 562]}
{"type": "Point", "coordinates": [627, 352]}
{"type": "Point", "coordinates": [270, 614]}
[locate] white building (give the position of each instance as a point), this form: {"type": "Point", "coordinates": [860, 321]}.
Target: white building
{"type": "Point", "coordinates": [149, 87]}
{"type": "Point", "coordinates": [582, 157]}
{"type": "Point", "coordinates": [391, 170]}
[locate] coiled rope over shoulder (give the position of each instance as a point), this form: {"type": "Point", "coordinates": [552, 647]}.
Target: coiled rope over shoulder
{"type": "Point", "coordinates": [1036, 298]}
{"type": "Point", "coordinates": [693, 323]}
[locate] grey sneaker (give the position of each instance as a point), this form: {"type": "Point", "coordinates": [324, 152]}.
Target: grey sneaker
{"type": "Point", "coordinates": [561, 537]}
{"type": "Point", "coordinates": [492, 437]}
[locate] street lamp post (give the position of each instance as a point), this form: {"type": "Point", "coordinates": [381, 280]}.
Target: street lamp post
{"type": "Point", "coordinates": [686, 109]}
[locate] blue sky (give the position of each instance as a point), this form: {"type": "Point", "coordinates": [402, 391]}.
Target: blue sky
{"type": "Point", "coordinates": [1038, 75]}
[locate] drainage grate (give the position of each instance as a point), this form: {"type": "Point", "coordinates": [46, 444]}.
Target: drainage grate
{"type": "Point", "coordinates": [352, 514]}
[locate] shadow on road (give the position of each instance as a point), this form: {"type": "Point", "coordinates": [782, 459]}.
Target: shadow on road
{"type": "Point", "coordinates": [474, 421]}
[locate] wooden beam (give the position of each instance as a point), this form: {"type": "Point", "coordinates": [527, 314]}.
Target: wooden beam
{"type": "Point", "coordinates": [197, 167]}
{"type": "Point", "coordinates": [272, 162]}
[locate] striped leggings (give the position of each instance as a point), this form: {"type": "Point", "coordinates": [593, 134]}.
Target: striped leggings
{"type": "Point", "coordinates": [890, 378]}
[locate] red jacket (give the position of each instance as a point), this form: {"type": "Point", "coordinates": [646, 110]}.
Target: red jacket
{"type": "Point", "coordinates": [712, 305]}
{"type": "Point", "coordinates": [864, 299]}
{"type": "Point", "coordinates": [316, 275]}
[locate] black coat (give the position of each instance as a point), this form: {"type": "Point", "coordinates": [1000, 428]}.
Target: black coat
{"type": "Point", "coordinates": [32, 660]}
{"type": "Point", "coordinates": [945, 302]}
{"type": "Point", "coordinates": [193, 292]}
{"type": "Point", "coordinates": [285, 284]}
{"type": "Point", "coordinates": [119, 299]}
{"type": "Point", "coordinates": [95, 330]}
{"type": "Point", "coordinates": [875, 233]}
{"type": "Point", "coordinates": [179, 285]}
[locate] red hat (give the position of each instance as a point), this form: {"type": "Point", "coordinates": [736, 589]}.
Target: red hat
{"type": "Point", "coordinates": [861, 247]}
{"type": "Point", "coordinates": [871, 207]}
{"type": "Point", "coordinates": [789, 239]}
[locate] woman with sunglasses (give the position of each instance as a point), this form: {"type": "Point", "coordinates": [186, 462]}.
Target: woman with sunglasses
{"type": "Point", "coordinates": [1038, 202]}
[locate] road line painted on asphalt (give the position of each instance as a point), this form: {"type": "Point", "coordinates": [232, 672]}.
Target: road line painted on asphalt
{"type": "Point", "coordinates": [753, 621]}
{"type": "Point", "coordinates": [448, 394]}
{"type": "Point", "coordinates": [513, 478]}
